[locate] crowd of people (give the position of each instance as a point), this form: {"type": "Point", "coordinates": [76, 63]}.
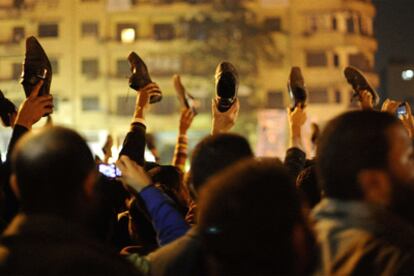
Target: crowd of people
{"type": "Point", "coordinates": [346, 211]}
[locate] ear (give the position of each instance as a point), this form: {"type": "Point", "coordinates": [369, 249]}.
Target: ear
{"type": "Point", "coordinates": [89, 184]}
{"type": "Point", "coordinates": [14, 186]}
{"type": "Point", "coordinates": [376, 186]}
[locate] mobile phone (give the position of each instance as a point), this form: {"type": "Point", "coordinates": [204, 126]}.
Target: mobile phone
{"type": "Point", "coordinates": [109, 170]}
{"type": "Point", "coordinates": [402, 109]}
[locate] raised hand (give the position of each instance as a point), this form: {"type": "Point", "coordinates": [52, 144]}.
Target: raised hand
{"type": "Point", "coordinates": [34, 107]}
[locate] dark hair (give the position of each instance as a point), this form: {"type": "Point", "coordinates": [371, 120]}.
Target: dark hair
{"type": "Point", "coordinates": [214, 153]}
{"type": "Point", "coordinates": [51, 167]}
{"type": "Point", "coordinates": [352, 142]}
{"type": "Point", "coordinates": [247, 216]}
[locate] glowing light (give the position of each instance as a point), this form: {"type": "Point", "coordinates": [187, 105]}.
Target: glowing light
{"type": "Point", "coordinates": [407, 75]}
{"type": "Point", "coordinates": [128, 35]}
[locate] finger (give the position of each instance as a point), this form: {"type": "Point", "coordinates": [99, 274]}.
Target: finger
{"type": "Point", "coordinates": [408, 107]}
{"type": "Point", "coordinates": [47, 109]}
{"type": "Point", "coordinates": [235, 107]}
{"type": "Point", "coordinates": [120, 164]}
{"type": "Point", "coordinates": [36, 90]}
{"type": "Point", "coordinates": [43, 101]}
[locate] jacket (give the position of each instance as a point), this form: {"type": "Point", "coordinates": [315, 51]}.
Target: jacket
{"type": "Point", "coordinates": [357, 238]}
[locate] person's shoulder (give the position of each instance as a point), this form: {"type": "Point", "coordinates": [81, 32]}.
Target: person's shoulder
{"type": "Point", "coordinates": [179, 257]}
{"type": "Point", "coordinates": [361, 252]}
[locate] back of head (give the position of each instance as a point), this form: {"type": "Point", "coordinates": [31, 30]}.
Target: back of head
{"type": "Point", "coordinates": [248, 216]}
{"type": "Point", "coordinates": [215, 153]}
{"type": "Point", "coordinates": [350, 143]}
{"type": "Point", "coordinates": [51, 167]}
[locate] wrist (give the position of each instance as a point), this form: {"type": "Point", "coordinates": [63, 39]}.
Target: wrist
{"type": "Point", "coordinates": [138, 187]}
{"type": "Point", "coordinates": [139, 113]}
{"type": "Point", "coordinates": [25, 123]}
{"type": "Point", "coordinates": [295, 131]}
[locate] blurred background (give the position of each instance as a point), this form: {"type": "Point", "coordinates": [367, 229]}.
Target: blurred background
{"type": "Point", "coordinates": [88, 42]}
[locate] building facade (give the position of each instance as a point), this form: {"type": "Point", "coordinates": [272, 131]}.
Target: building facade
{"type": "Point", "coordinates": [88, 41]}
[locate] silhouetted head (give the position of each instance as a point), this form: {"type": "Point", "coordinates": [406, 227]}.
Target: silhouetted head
{"type": "Point", "coordinates": [54, 171]}
{"type": "Point", "coordinates": [215, 153]}
{"type": "Point", "coordinates": [251, 222]}
{"type": "Point", "coordinates": [365, 155]}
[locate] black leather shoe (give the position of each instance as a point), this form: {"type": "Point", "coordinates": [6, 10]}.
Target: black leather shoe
{"type": "Point", "coordinates": [297, 90]}
{"type": "Point", "coordinates": [185, 98]}
{"type": "Point", "coordinates": [227, 84]}
{"type": "Point", "coordinates": [7, 108]}
{"type": "Point", "coordinates": [140, 76]}
{"type": "Point", "coordinates": [359, 84]}
{"type": "Point", "coordinates": [36, 67]}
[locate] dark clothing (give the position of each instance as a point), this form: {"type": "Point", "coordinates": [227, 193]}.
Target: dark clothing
{"type": "Point", "coordinates": [182, 257]}
{"type": "Point", "coordinates": [10, 203]}
{"type": "Point", "coordinates": [166, 219]}
{"type": "Point", "coordinates": [46, 245]}
{"type": "Point", "coordinates": [295, 161]}
{"type": "Point", "coordinates": [358, 238]}
{"type": "Point", "coordinates": [134, 143]}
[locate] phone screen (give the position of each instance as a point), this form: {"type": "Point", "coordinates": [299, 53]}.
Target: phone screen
{"type": "Point", "coordinates": [402, 110]}
{"type": "Point", "coordinates": [109, 170]}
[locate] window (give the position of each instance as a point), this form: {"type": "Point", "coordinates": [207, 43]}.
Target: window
{"type": "Point", "coordinates": [360, 61]}
{"type": "Point", "coordinates": [90, 67]}
{"type": "Point", "coordinates": [125, 106]}
{"type": "Point", "coordinates": [275, 99]}
{"type": "Point", "coordinates": [122, 68]}
{"type": "Point", "coordinates": [90, 103]}
{"type": "Point", "coordinates": [334, 23]}
{"type": "Point", "coordinates": [273, 24]}
{"type": "Point", "coordinates": [48, 30]}
{"type": "Point", "coordinates": [166, 106]}
{"type": "Point", "coordinates": [338, 96]}
{"type": "Point", "coordinates": [18, 34]}
{"type": "Point", "coordinates": [90, 29]}
{"type": "Point", "coordinates": [350, 25]}
{"type": "Point", "coordinates": [336, 60]}
{"type": "Point", "coordinates": [16, 70]}
{"type": "Point", "coordinates": [164, 32]}
{"type": "Point", "coordinates": [318, 95]}
{"type": "Point", "coordinates": [55, 65]}
{"type": "Point", "coordinates": [313, 24]}
{"type": "Point", "coordinates": [316, 59]}
{"type": "Point", "coordinates": [126, 32]}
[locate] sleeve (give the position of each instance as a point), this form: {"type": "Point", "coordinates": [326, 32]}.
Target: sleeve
{"type": "Point", "coordinates": [295, 161]}
{"type": "Point", "coordinates": [166, 219]}
{"type": "Point", "coordinates": [134, 143]}
{"type": "Point", "coordinates": [11, 203]}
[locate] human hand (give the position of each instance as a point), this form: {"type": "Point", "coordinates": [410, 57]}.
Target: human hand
{"type": "Point", "coordinates": [143, 98]}
{"type": "Point", "coordinates": [186, 119]}
{"type": "Point", "coordinates": [224, 121]}
{"type": "Point", "coordinates": [34, 107]}
{"type": "Point", "coordinates": [408, 120]}
{"type": "Point", "coordinates": [133, 175]}
{"type": "Point", "coordinates": [390, 106]}
{"type": "Point", "coordinates": [296, 119]}
{"type": "Point", "coordinates": [366, 100]}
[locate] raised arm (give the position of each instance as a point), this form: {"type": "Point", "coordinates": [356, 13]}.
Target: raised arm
{"type": "Point", "coordinates": [134, 143]}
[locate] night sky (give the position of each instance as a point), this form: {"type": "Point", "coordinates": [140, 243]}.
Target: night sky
{"type": "Point", "coordinates": [394, 28]}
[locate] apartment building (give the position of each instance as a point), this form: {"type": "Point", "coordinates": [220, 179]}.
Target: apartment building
{"type": "Point", "coordinates": [88, 42]}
